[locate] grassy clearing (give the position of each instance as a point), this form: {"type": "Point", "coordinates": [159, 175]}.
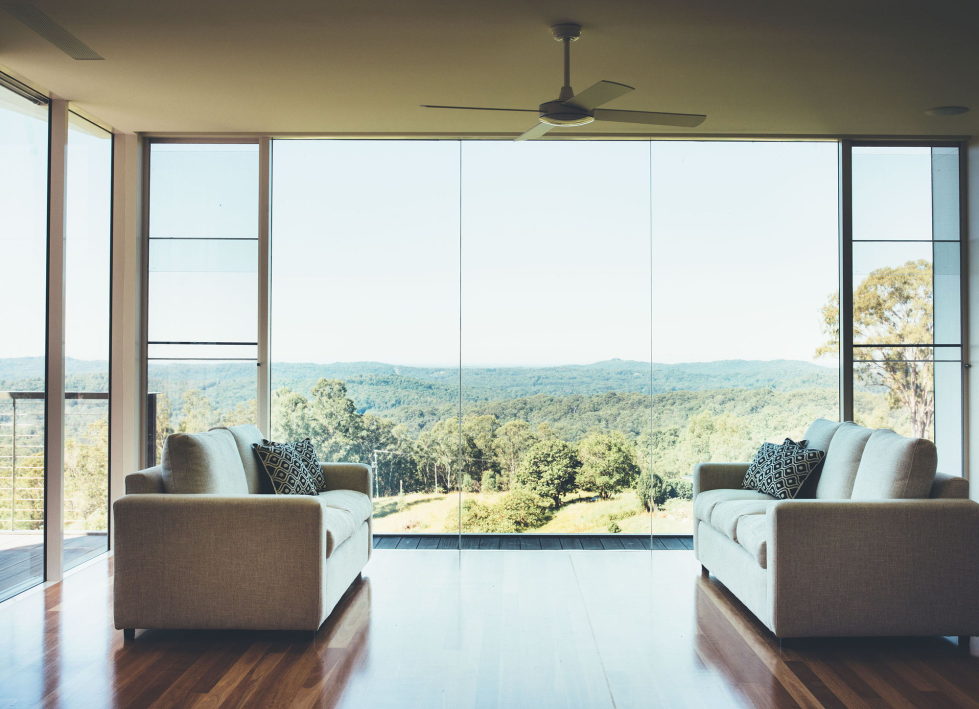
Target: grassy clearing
{"type": "Point", "coordinates": [581, 514]}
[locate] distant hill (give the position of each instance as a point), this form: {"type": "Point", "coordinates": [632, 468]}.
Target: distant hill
{"type": "Point", "coordinates": [380, 387]}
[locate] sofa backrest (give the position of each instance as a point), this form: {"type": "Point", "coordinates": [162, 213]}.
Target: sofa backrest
{"type": "Point", "coordinates": [894, 467]}
{"type": "Point", "coordinates": [246, 435]}
{"type": "Point", "coordinates": [819, 435]}
{"type": "Point", "coordinates": [203, 463]}
{"type": "Point", "coordinates": [842, 461]}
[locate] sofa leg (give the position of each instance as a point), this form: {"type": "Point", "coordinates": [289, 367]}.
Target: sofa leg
{"type": "Point", "coordinates": [964, 642]}
{"type": "Point", "coordinates": [128, 634]}
{"type": "Point", "coordinates": [704, 571]}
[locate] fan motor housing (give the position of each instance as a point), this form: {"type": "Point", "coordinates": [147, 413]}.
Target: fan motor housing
{"type": "Point", "coordinates": [559, 113]}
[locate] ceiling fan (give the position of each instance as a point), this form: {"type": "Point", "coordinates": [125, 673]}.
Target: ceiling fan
{"type": "Point", "coordinates": [571, 109]}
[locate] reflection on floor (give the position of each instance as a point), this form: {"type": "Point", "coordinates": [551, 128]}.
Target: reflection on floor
{"type": "Point", "coordinates": [22, 557]}
{"type": "Point", "coordinates": [473, 629]}
{"type": "Point", "coordinates": [535, 542]}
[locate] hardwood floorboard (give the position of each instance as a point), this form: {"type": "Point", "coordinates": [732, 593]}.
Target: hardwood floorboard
{"type": "Point", "coordinates": [590, 542]}
{"type": "Point", "coordinates": [472, 629]}
{"type": "Point", "coordinates": [428, 543]}
{"type": "Point", "coordinates": [550, 543]}
{"type": "Point", "coordinates": [528, 542]}
{"type": "Point", "coordinates": [611, 543]}
{"type": "Point", "coordinates": [570, 543]}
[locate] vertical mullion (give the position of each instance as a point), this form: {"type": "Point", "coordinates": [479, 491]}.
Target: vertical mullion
{"type": "Point", "coordinates": [54, 400]}
{"type": "Point", "coordinates": [147, 448]}
{"type": "Point", "coordinates": [964, 299]}
{"type": "Point", "coordinates": [264, 379]}
{"type": "Point", "coordinates": [846, 279]}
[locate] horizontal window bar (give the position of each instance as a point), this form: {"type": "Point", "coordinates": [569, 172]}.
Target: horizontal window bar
{"type": "Point", "coordinates": [202, 359]}
{"type": "Point", "coordinates": [882, 345]}
{"type": "Point", "coordinates": [906, 241]}
{"type": "Point", "coordinates": [41, 395]}
{"type": "Point", "coordinates": [178, 342]}
{"type": "Point", "coordinates": [204, 238]}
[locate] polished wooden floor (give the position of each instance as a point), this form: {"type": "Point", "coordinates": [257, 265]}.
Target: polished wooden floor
{"type": "Point", "coordinates": [473, 629]}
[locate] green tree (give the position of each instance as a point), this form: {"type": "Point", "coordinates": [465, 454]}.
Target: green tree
{"type": "Point", "coordinates": [512, 441]}
{"type": "Point", "coordinates": [608, 463]}
{"type": "Point", "coordinates": [892, 306]}
{"type": "Point", "coordinates": [549, 470]}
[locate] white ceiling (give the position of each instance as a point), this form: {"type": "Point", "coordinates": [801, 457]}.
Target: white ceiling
{"type": "Point", "coordinates": [788, 67]}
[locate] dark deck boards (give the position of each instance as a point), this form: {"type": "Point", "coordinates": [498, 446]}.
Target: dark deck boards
{"type": "Point", "coordinates": [535, 542]}
{"type": "Point", "coordinates": [20, 566]}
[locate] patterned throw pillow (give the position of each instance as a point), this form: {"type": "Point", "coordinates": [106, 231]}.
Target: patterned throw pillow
{"type": "Point", "coordinates": [285, 467]}
{"type": "Point", "coordinates": [766, 451]}
{"type": "Point", "coordinates": [784, 472]}
{"type": "Point", "coordinates": [307, 451]}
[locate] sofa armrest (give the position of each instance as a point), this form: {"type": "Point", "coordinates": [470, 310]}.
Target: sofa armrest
{"type": "Point", "coordinates": [907, 567]}
{"type": "Point", "coordinates": [146, 481]}
{"type": "Point", "coordinates": [714, 476]}
{"type": "Point", "coordinates": [348, 476]}
{"type": "Point", "coordinates": [214, 561]}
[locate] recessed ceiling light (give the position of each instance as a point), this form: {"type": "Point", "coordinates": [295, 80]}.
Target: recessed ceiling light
{"type": "Point", "coordinates": [947, 110]}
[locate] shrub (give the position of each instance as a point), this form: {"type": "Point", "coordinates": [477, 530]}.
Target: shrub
{"type": "Point", "coordinates": [661, 489]}
{"type": "Point", "coordinates": [516, 511]}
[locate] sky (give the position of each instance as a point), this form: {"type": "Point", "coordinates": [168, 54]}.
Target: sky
{"type": "Point", "coordinates": [544, 252]}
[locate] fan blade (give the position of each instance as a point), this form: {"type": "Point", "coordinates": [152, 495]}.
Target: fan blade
{"type": "Point", "coordinates": [599, 94]}
{"type": "Point", "coordinates": [479, 108]}
{"type": "Point", "coordinates": [536, 132]}
{"type": "Point", "coordinates": [649, 117]}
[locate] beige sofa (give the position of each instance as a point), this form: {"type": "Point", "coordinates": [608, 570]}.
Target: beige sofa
{"type": "Point", "coordinates": [885, 546]}
{"type": "Point", "coordinates": [199, 542]}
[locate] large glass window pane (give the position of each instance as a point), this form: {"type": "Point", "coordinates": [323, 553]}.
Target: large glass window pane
{"type": "Point", "coordinates": [555, 338]}
{"type": "Point", "coordinates": [204, 191]}
{"type": "Point", "coordinates": [23, 243]}
{"type": "Point", "coordinates": [202, 319]}
{"type": "Point", "coordinates": [745, 282]}
{"type": "Point", "coordinates": [365, 316]}
{"type": "Point", "coordinates": [87, 283]}
{"type": "Point", "coordinates": [203, 290]}
{"type": "Point", "coordinates": [892, 193]}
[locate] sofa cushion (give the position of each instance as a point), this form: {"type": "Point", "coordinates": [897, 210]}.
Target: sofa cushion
{"type": "Point", "coordinates": [895, 467]}
{"type": "Point", "coordinates": [285, 468]}
{"type": "Point", "coordinates": [704, 502]}
{"type": "Point", "coordinates": [356, 503]}
{"type": "Point", "coordinates": [819, 434]}
{"type": "Point", "coordinates": [755, 467]}
{"type": "Point", "coordinates": [783, 474]}
{"type": "Point", "coordinates": [752, 534]}
{"type": "Point", "coordinates": [245, 437]}
{"type": "Point", "coordinates": [726, 515]}
{"type": "Point", "coordinates": [841, 462]}
{"type": "Point", "coordinates": [340, 526]}
{"type": "Point", "coordinates": [196, 463]}
{"type": "Point", "coordinates": [307, 451]}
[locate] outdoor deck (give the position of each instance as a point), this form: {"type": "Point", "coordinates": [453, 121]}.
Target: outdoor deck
{"type": "Point", "coordinates": [22, 558]}
{"type": "Point", "coordinates": [538, 542]}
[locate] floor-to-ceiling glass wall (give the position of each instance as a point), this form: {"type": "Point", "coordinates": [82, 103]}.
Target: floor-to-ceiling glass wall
{"type": "Point", "coordinates": [907, 320]}
{"type": "Point", "coordinates": [745, 272]}
{"type": "Point", "coordinates": [202, 312]}
{"type": "Point", "coordinates": [23, 243]}
{"type": "Point", "coordinates": [88, 192]}
{"type": "Point", "coordinates": [365, 316]}
{"type": "Point", "coordinates": [555, 336]}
